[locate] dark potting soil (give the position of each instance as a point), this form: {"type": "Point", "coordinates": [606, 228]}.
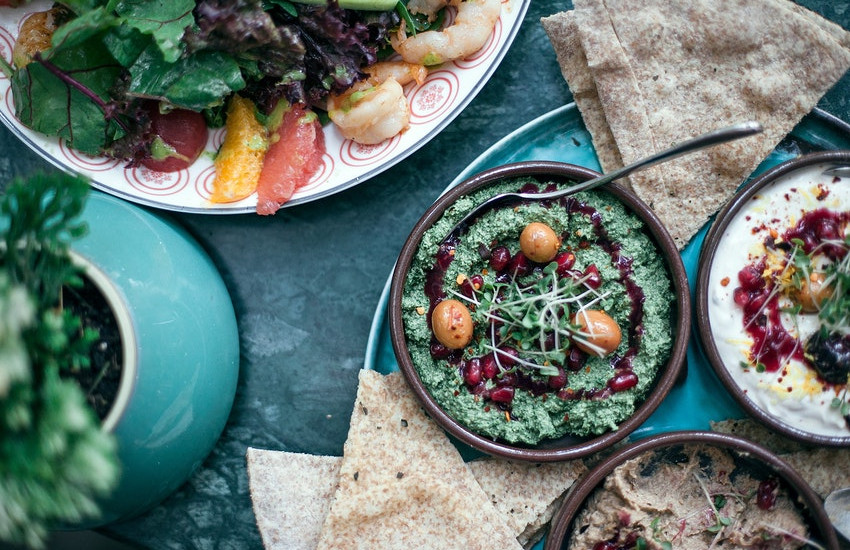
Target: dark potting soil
{"type": "Point", "coordinates": [100, 381]}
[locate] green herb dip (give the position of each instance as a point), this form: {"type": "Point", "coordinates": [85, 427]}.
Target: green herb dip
{"type": "Point", "coordinates": [530, 418]}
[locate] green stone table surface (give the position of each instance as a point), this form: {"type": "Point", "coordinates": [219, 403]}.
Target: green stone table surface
{"type": "Point", "coordinates": [305, 284]}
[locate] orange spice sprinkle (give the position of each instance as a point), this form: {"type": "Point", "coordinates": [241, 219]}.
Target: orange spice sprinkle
{"type": "Point", "coordinates": [724, 281]}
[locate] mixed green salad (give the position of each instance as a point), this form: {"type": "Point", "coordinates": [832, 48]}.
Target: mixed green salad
{"type": "Point", "coordinates": [106, 62]}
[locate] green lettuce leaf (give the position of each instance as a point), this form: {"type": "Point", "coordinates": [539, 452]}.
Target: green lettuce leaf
{"type": "Point", "coordinates": [164, 20]}
{"type": "Point", "coordinates": [197, 82]}
{"type": "Point", "coordinates": [48, 104]}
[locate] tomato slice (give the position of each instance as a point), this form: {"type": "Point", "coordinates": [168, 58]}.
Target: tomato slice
{"type": "Point", "coordinates": [295, 152]}
{"type": "Point", "coordinates": [180, 137]}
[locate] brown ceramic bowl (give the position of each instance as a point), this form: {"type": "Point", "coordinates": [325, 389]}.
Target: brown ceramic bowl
{"type": "Point", "coordinates": [568, 446]}
{"type": "Point", "coordinates": [753, 459]}
{"type": "Point", "coordinates": [766, 203]}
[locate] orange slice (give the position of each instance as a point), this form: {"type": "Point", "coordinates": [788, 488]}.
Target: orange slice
{"type": "Point", "coordinates": [240, 159]}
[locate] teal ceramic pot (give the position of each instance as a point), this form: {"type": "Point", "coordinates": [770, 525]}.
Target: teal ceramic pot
{"type": "Point", "coordinates": [180, 346]}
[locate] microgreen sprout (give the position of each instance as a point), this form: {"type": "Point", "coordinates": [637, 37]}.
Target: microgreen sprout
{"type": "Point", "coordinates": [834, 312]}
{"type": "Point", "coordinates": [840, 402]}
{"type": "Point", "coordinates": [720, 522]}
{"type": "Point", "coordinates": [535, 317]}
{"type": "Point", "coordinates": [658, 534]}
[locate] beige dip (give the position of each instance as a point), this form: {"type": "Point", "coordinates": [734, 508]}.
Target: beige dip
{"type": "Point", "coordinates": [687, 497]}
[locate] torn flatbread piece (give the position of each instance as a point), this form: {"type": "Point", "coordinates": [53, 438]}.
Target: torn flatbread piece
{"type": "Point", "coordinates": [824, 468]}
{"type": "Point", "coordinates": [527, 494]}
{"type": "Point", "coordinates": [403, 484]}
{"type": "Point", "coordinates": [291, 495]}
{"type": "Point", "coordinates": [667, 70]}
{"type": "Point", "coordinates": [757, 433]}
{"type": "Point", "coordinates": [562, 30]}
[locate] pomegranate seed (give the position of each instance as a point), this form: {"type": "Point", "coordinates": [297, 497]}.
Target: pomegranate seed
{"type": "Point", "coordinates": [489, 368]}
{"type": "Point", "coordinates": [439, 351]}
{"type": "Point", "coordinates": [826, 229]}
{"type": "Point", "coordinates": [558, 381]}
{"type": "Point", "coordinates": [507, 379]}
{"type": "Point", "coordinates": [502, 394]}
{"type": "Point", "coordinates": [755, 304]}
{"type": "Point", "coordinates": [593, 280]}
{"type": "Point", "coordinates": [477, 281]}
{"type": "Point", "coordinates": [472, 371]}
{"type": "Point", "coordinates": [508, 356]}
{"type": "Point", "coordinates": [565, 261]}
{"type": "Point", "coordinates": [766, 494]}
{"type": "Point", "coordinates": [480, 390]}
{"type": "Point", "coordinates": [605, 545]}
{"type": "Point", "coordinates": [576, 359]}
{"type": "Point", "coordinates": [444, 257]}
{"type": "Point", "coordinates": [499, 258]}
{"type": "Point", "coordinates": [466, 289]}
{"type": "Point", "coordinates": [741, 296]}
{"type": "Point", "coordinates": [622, 381]}
{"type": "Point", "coordinates": [519, 265]}
{"type": "Point", "coordinates": [750, 278]}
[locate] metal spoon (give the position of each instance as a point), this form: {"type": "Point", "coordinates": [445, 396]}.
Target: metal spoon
{"type": "Point", "coordinates": [709, 139]}
{"type": "Point", "coordinates": [837, 506]}
{"type": "Point", "coordinates": [839, 171]}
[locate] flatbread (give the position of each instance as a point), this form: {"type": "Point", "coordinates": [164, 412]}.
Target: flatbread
{"type": "Point", "coordinates": [291, 495]}
{"type": "Point", "coordinates": [757, 433]}
{"type": "Point", "coordinates": [562, 30]}
{"type": "Point", "coordinates": [292, 492]}
{"type": "Point", "coordinates": [667, 70]}
{"type": "Point", "coordinates": [403, 484]}
{"type": "Point", "coordinates": [527, 494]}
{"type": "Point", "coordinates": [823, 468]}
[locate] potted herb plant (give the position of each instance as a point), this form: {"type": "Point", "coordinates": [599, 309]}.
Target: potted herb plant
{"type": "Point", "coordinates": [56, 458]}
{"type": "Point", "coordinates": [123, 353]}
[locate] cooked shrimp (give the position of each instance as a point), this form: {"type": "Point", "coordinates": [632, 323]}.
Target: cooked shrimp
{"type": "Point", "coordinates": [376, 109]}
{"type": "Point", "coordinates": [402, 71]}
{"type": "Point", "coordinates": [372, 115]}
{"type": "Point", "coordinates": [472, 26]}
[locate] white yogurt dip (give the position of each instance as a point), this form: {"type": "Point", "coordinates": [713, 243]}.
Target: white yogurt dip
{"type": "Point", "coordinates": [794, 393]}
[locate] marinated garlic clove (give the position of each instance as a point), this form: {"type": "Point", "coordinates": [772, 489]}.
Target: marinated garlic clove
{"type": "Point", "coordinates": [599, 333]}
{"type": "Point", "coordinates": [452, 324]}
{"type": "Point", "coordinates": [539, 242]}
{"type": "Point", "coordinates": [812, 292]}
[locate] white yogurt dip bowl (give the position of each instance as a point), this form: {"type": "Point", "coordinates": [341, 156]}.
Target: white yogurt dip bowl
{"type": "Point", "coordinates": [753, 319]}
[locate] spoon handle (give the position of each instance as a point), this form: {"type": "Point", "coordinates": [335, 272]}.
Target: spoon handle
{"type": "Point", "coordinates": [721, 135]}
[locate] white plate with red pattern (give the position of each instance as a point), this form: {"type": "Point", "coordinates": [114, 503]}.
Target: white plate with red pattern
{"type": "Point", "coordinates": [433, 105]}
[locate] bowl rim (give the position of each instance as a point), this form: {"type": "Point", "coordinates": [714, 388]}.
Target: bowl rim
{"type": "Point", "coordinates": [706, 258]}
{"type": "Point", "coordinates": [666, 376]}
{"type": "Point", "coordinates": [581, 489]}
